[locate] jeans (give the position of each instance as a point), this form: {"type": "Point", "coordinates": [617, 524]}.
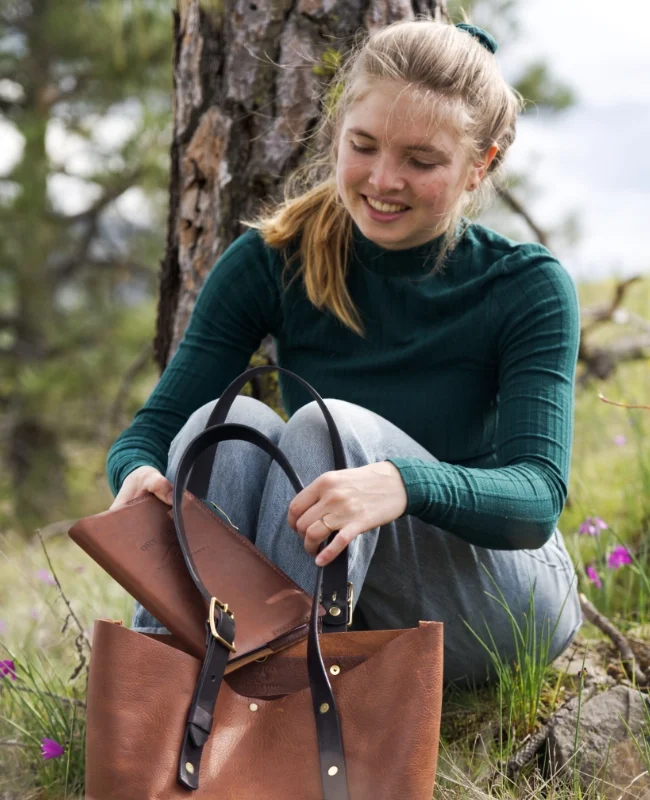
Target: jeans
{"type": "Point", "coordinates": [403, 572]}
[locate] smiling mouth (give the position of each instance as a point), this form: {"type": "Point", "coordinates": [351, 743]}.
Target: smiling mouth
{"type": "Point", "coordinates": [386, 208]}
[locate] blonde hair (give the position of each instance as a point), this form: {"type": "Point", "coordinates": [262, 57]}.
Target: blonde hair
{"type": "Point", "coordinates": [470, 93]}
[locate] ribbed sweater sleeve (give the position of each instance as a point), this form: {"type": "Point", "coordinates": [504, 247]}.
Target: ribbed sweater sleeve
{"type": "Point", "coordinates": [515, 504]}
{"type": "Point", "coordinates": [237, 306]}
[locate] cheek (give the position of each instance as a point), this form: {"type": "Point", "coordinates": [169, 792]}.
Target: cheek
{"type": "Point", "coordinates": [429, 191]}
{"type": "Point", "coordinates": [350, 171]}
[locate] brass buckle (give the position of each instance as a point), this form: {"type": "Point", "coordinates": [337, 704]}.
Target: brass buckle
{"type": "Point", "coordinates": [350, 601]}
{"type": "Point", "coordinates": [213, 628]}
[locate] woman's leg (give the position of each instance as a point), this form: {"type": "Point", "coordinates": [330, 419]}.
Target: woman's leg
{"type": "Point", "coordinates": [410, 570]}
{"type": "Point", "coordinates": [238, 477]}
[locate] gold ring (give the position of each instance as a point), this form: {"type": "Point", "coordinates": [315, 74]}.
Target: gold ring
{"type": "Point", "coordinates": [331, 530]}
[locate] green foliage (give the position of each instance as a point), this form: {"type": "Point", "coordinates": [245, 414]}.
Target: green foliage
{"type": "Point", "coordinates": [90, 94]}
{"type": "Point", "coordinates": [540, 89]}
{"type": "Point", "coordinates": [520, 682]}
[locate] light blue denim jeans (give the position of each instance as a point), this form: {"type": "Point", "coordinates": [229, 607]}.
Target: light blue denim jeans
{"type": "Point", "coordinates": [403, 572]}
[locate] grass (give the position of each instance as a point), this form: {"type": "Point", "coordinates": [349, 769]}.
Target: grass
{"type": "Point", "coordinates": [481, 728]}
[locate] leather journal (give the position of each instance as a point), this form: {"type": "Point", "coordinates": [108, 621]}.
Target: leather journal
{"type": "Point", "coordinates": [137, 545]}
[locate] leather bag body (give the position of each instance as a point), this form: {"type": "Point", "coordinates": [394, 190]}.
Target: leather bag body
{"type": "Point", "coordinates": [342, 716]}
{"type": "Point", "coordinates": [388, 694]}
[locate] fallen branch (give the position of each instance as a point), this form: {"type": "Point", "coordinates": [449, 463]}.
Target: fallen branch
{"type": "Point", "coordinates": [601, 361]}
{"type": "Point", "coordinates": [628, 660]}
{"type": "Point", "coordinates": [533, 744]}
{"type": "Point", "coordinates": [607, 313]}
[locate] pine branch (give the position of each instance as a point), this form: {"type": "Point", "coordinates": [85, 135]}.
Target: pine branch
{"type": "Point", "coordinates": [517, 206]}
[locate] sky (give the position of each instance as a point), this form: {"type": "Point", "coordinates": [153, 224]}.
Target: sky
{"type": "Point", "coordinates": [591, 162]}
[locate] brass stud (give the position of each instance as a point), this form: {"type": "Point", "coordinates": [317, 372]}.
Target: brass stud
{"type": "Point", "coordinates": [190, 768]}
{"type": "Point", "coordinates": [253, 707]}
{"type": "Point", "coordinates": [335, 669]}
{"type": "Point", "coordinates": [332, 770]}
{"type": "Point", "coordinates": [324, 708]}
{"type": "Point", "coordinates": [335, 611]}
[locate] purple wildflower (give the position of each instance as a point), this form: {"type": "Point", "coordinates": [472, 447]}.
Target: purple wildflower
{"type": "Point", "coordinates": [50, 748]}
{"type": "Point", "coordinates": [46, 577]}
{"type": "Point", "coordinates": [593, 577]}
{"type": "Point", "coordinates": [618, 557]}
{"type": "Point", "coordinates": [593, 526]}
{"type": "Point", "coordinates": [620, 440]}
{"type": "Point", "coordinates": [33, 613]}
{"type": "Point", "coordinates": [8, 668]}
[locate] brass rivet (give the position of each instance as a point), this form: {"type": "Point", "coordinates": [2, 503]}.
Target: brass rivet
{"type": "Point", "coordinates": [332, 770]}
{"type": "Point", "coordinates": [324, 708]}
{"type": "Point", "coordinates": [190, 768]}
{"type": "Point", "coordinates": [335, 669]}
{"type": "Point", "coordinates": [253, 707]}
{"type": "Point", "coordinates": [335, 611]}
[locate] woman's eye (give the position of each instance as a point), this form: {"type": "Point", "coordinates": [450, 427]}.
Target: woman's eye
{"type": "Point", "coordinates": [421, 165]}
{"type": "Point", "coordinates": [417, 164]}
{"type": "Point", "coordinates": [358, 149]}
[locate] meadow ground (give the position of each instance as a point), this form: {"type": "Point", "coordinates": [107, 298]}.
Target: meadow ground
{"type": "Point", "coordinates": [47, 641]}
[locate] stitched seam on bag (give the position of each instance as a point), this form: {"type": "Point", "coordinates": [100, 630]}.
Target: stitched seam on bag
{"type": "Point", "coordinates": [246, 543]}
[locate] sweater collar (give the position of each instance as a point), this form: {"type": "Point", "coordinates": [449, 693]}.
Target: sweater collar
{"type": "Point", "coordinates": [412, 261]}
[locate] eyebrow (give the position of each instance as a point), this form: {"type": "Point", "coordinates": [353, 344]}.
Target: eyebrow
{"type": "Point", "coordinates": [424, 148]}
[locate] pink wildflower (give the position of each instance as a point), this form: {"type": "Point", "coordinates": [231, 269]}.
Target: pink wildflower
{"type": "Point", "coordinates": [46, 577]}
{"type": "Point", "coordinates": [8, 668]}
{"type": "Point", "coordinates": [593, 577]}
{"type": "Point", "coordinates": [620, 440]}
{"type": "Point", "coordinates": [50, 748]}
{"type": "Point", "coordinates": [593, 526]}
{"type": "Point", "coordinates": [3, 626]}
{"type": "Point", "coordinates": [618, 557]}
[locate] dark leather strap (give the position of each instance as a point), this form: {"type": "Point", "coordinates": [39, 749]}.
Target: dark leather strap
{"type": "Point", "coordinates": [199, 719]}
{"type": "Point", "coordinates": [335, 580]}
{"type": "Point", "coordinates": [204, 440]}
{"type": "Point", "coordinates": [328, 729]}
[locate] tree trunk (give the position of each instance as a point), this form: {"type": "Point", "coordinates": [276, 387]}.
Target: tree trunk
{"type": "Point", "coordinates": [249, 76]}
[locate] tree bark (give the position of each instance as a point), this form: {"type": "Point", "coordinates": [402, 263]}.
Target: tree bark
{"type": "Point", "coordinates": [249, 77]}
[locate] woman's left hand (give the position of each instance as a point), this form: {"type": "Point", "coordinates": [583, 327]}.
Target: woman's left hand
{"type": "Point", "coordinates": [352, 501]}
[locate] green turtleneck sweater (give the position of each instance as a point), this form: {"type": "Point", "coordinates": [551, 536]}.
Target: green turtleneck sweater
{"type": "Point", "coordinates": [476, 363]}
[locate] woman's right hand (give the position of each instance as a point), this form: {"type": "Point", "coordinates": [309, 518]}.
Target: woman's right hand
{"type": "Point", "coordinates": [140, 481]}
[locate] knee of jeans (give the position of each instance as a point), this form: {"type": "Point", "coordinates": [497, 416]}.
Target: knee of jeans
{"type": "Point", "coordinates": [306, 433]}
{"type": "Point", "coordinates": [311, 415]}
{"type": "Point", "coordinates": [244, 410]}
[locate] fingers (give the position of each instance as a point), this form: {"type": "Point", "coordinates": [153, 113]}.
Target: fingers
{"type": "Point", "coordinates": [303, 501]}
{"type": "Point", "coordinates": [140, 481]}
{"type": "Point", "coordinates": [338, 545]}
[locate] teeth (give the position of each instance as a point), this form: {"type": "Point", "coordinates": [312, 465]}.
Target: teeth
{"type": "Point", "coordinates": [385, 207]}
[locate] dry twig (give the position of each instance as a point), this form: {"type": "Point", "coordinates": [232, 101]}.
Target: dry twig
{"type": "Point", "coordinates": [628, 660]}
{"type": "Point", "coordinates": [81, 638]}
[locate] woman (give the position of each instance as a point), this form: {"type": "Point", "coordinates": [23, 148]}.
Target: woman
{"type": "Point", "coordinates": [448, 351]}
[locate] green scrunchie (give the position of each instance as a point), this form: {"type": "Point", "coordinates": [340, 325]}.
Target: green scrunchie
{"type": "Point", "coordinates": [489, 42]}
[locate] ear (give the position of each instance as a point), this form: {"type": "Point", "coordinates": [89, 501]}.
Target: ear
{"type": "Point", "coordinates": [479, 168]}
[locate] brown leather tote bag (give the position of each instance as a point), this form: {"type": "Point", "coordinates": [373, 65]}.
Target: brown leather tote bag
{"type": "Point", "coordinates": [343, 716]}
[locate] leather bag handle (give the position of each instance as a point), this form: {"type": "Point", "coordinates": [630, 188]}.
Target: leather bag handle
{"type": "Point", "coordinates": [336, 592]}
{"type": "Point", "coordinates": [221, 635]}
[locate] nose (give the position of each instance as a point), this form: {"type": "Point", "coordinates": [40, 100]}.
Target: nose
{"type": "Point", "coordinates": [384, 175]}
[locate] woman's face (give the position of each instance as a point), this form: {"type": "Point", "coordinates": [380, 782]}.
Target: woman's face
{"type": "Point", "coordinates": [390, 151]}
